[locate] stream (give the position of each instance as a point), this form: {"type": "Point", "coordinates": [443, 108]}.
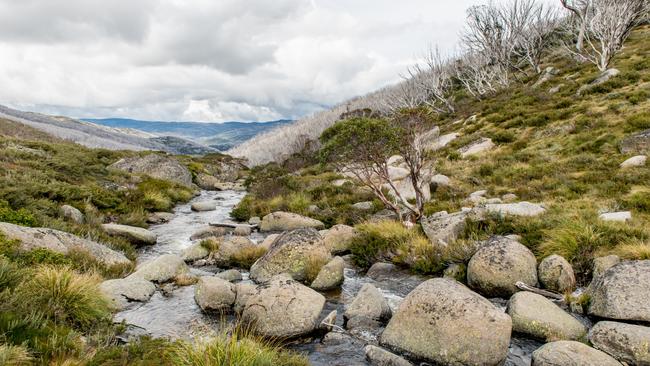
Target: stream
{"type": "Point", "coordinates": [174, 314]}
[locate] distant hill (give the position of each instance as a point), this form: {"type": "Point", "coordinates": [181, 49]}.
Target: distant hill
{"type": "Point", "coordinates": [221, 136]}
{"type": "Point", "coordinates": [98, 136]}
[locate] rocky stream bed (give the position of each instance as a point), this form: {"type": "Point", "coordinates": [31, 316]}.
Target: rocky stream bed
{"type": "Point", "coordinates": [172, 311]}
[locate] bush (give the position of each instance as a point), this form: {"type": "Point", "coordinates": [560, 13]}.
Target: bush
{"type": "Point", "coordinates": [64, 296]}
{"type": "Point", "coordinates": [234, 349]}
{"type": "Point", "coordinates": [637, 122]}
{"type": "Point", "coordinates": [18, 217]}
{"type": "Point", "coordinates": [379, 241]}
{"type": "Point", "coordinates": [144, 351]}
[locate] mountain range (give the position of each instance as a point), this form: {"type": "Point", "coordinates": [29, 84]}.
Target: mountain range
{"type": "Point", "coordinates": [221, 136]}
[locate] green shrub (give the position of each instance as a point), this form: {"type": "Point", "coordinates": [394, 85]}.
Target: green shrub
{"type": "Point", "coordinates": [18, 217]}
{"type": "Point", "coordinates": [379, 241]}
{"type": "Point", "coordinates": [639, 201]}
{"type": "Point", "coordinates": [10, 274]}
{"type": "Point", "coordinates": [144, 351]}
{"type": "Point", "coordinates": [503, 137]}
{"type": "Point", "coordinates": [636, 122]}
{"type": "Point", "coordinates": [64, 296]}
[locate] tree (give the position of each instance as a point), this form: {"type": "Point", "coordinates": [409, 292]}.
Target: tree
{"type": "Point", "coordinates": [608, 24]}
{"type": "Point", "coordinates": [579, 9]}
{"type": "Point", "coordinates": [435, 78]}
{"type": "Point", "coordinates": [540, 24]}
{"type": "Point", "coordinates": [362, 146]}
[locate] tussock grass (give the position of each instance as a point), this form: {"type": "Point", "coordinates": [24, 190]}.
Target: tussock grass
{"type": "Point", "coordinates": [246, 256]}
{"type": "Point", "coordinates": [14, 356]}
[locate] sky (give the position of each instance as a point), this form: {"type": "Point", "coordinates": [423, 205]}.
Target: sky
{"type": "Point", "coordinates": [211, 60]}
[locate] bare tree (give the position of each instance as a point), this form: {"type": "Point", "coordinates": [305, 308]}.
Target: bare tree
{"type": "Point", "coordinates": [435, 78]}
{"type": "Point", "coordinates": [607, 24]}
{"type": "Point", "coordinates": [405, 95]}
{"type": "Point", "coordinates": [579, 9]}
{"type": "Point", "coordinates": [541, 22]}
{"type": "Point", "coordinates": [478, 76]}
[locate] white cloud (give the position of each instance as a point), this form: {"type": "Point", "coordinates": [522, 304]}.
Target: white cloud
{"type": "Point", "coordinates": [210, 60]}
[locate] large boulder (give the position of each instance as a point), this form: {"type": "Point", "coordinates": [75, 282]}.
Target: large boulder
{"type": "Point", "coordinates": [638, 143]}
{"type": "Point", "coordinates": [622, 292]}
{"type": "Point", "coordinates": [61, 242]}
{"type": "Point", "coordinates": [571, 353]}
{"type": "Point", "coordinates": [156, 218]}
{"type": "Point", "coordinates": [133, 234]}
{"type": "Point", "coordinates": [283, 308]}
{"type": "Point", "coordinates": [207, 182]}
{"type": "Point", "coordinates": [441, 142]}
{"type": "Point", "coordinates": [444, 322]}
{"type": "Point", "coordinates": [70, 213]}
{"type": "Point", "coordinates": [123, 290]}
{"type": "Point", "coordinates": [161, 269]}
{"type": "Point", "coordinates": [477, 147]}
{"type": "Point", "coordinates": [515, 209]}
{"type": "Point", "coordinates": [498, 265]}
{"type": "Point", "coordinates": [244, 291]}
{"type": "Point", "coordinates": [292, 253]}
{"type": "Point", "coordinates": [370, 304]}
{"type": "Point", "coordinates": [209, 232]}
{"type": "Point", "coordinates": [228, 248]}
{"type": "Point", "coordinates": [339, 237]}
{"type": "Point", "coordinates": [330, 275]}
{"type": "Point", "coordinates": [635, 161]}
{"type": "Point", "coordinates": [602, 264]}
{"type": "Point", "coordinates": [628, 343]}
{"type": "Point", "coordinates": [284, 221]}
{"type": "Point", "coordinates": [195, 252]}
{"type": "Point", "coordinates": [540, 318]}
{"type": "Point", "coordinates": [212, 293]}
{"type": "Point", "coordinates": [620, 216]}
{"type": "Point", "coordinates": [230, 275]}
{"type": "Point", "coordinates": [556, 274]}
{"type": "Point", "coordinates": [603, 77]}
{"type": "Point", "coordinates": [156, 166]}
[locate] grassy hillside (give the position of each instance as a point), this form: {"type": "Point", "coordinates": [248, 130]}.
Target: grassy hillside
{"type": "Point", "coordinates": [559, 149]}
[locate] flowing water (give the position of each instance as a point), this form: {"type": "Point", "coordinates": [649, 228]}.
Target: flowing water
{"type": "Point", "coordinates": [173, 313]}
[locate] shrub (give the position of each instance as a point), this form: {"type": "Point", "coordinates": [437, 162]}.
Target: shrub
{"type": "Point", "coordinates": [18, 217]}
{"type": "Point", "coordinates": [144, 351]}
{"type": "Point", "coordinates": [503, 137]}
{"type": "Point", "coordinates": [382, 240]}
{"type": "Point", "coordinates": [636, 122]}
{"type": "Point", "coordinates": [10, 274]}
{"type": "Point", "coordinates": [638, 201]}
{"type": "Point", "coordinates": [64, 296]}
{"type": "Point", "coordinates": [14, 356]}
{"type": "Point", "coordinates": [234, 349]}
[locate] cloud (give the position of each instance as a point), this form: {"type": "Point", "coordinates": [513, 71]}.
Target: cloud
{"type": "Point", "coordinates": [210, 60]}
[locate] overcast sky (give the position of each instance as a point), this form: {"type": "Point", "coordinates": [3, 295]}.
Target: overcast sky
{"type": "Point", "coordinates": [211, 60]}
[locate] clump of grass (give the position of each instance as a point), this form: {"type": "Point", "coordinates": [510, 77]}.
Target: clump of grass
{"type": "Point", "coordinates": [185, 279]}
{"type": "Point", "coordinates": [157, 201]}
{"type": "Point", "coordinates": [631, 251]}
{"type": "Point", "coordinates": [381, 241]}
{"type": "Point", "coordinates": [313, 265]}
{"type": "Point", "coordinates": [235, 349]}
{"type": "Point", "coordinates": [211, 244]}
{"type": "Point", "coordinates": [247, 255]}
{"type": "Point", "coordinates": [65, 296]}
{"type": "Point", "coordinates": [14, 356]}
{"type": "Point", "coordinates": [144, 351]}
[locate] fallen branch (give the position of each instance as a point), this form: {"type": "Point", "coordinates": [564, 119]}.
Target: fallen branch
{"type": "Point", "coordinates": [553, 295]}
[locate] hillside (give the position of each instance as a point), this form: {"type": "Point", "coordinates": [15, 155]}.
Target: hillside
{"type": "Point", "coordinates": [221, 136]}
{"type": "Point", "coordinates": [559, 149]}
{"type": "Point", "coordinates": [97, 136]}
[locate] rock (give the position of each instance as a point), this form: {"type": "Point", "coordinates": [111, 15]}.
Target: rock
{"type": "Point", "coordinates": [622, 292]}
{"type": "Point", "coordinates": [244, 291]}
{"type": "Point", "coordinates": [61, 242]}
{"type": "Point", "coordinates": [213, 293]}
{"type": "Point", "coordinates": [441, 180]}
{"type": "Point", "coordinates": [161, 269]}
{"type": "Point", "coordinates": [229, 186]}
{"type": "Point", "coordinates": [369, 303]}
{"type": "Point", "coordinates": [603, 77]}
{"type": "Point", "coordinates": [602, 264]}
{"type": "Point", "coordinates": [493, 201]}
{"type": "Point", "coordinates": [400, 177]}
{"type": "Point", "coordinates": [242, 230]}
{"type": "Point", "coordinates": [443, 322]}
{"type": "Point", "coordinates": [381, 270]}
{"type": "Point", "coordinates": [292, 252]}
{"type": "Point", "coordinates": [329, 321]}
{"type": "Point", "coordinates": [441, 142]}
{"type": "Point", "coordinates": [156, 166]}
{"type": "Point", "coordinates": [70, 213]}
{"type": "Point", "coordinates": [635, 161]}
{"type": "Point", "coordinates": [195, 252]}
{"type": "Point", "coordinates": [284, 221]}
{"type": "Point", "coordinates": [120, 291]}
{"type": "Point", "coordinates": [622, 216]}
{"type": "Point", "coordinates": [283, 309]}
{"type": "Point", "coordinates": [555, 89]}
{"type": "Point", "coordinates": [395, 160]}
{"type": "Point", "coordinates": [442, 228]}
{"type": "Point", "coordinates": [157, 218]}
{"type": "Point", "coordinates": [204, 206]}
{"type": "Point", "coordinates": [230, 275]}
{"type": "Point", "coordinates": [228, 248]}
{"type": "Point", "coordinates": [135, 235]}
{"type": "Point", "coordinates": [254, 220]}
{"type": "Point", "coordinates": [571, 353]}
{"type": "Point", "coordinates": [498, 265]}
{"type": "Point", "coordinates": [380, 357]}
{"type": "Point", "coordinates": [209, 232]}
{"type": "Point", "coordinates": [363, 206]}
{"type": "Point", "coordinates": [516, 209]}
{"type": "Point", "coordinates": [477, 197]}
{"type": "Point", "coordinates": [638, 143]}
{"type": "Point", "coordinates": [330, 275]}
{"type": "Point", "coordinates": [340, 182]}
{"type": "Point", "coordinates": [477, 147]}
{"type": "Point", "coordinates": [383, 215]}
{"type": "Point", "coordinates": [509, 197]}
{"type": "Point", "coordinates": [556, 274]}
{"type": "Point", "coordinates": [549, 73]}
{"type": "Point", "coordinates": [268, 241]}
{"type": "Point", "coordinates": [625, 342]}
{"type": "Point", "coordinates": [539, 317]}
{"type": "Point", "coordinates": [207, 182]}
{"type": "Point", "coordinates": [339, 237]}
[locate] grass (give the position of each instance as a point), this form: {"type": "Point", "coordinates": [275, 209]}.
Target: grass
{"type": "Point", "coordinates": [246, 256]}
{"type": "Point", "coordinates": [14, 356]}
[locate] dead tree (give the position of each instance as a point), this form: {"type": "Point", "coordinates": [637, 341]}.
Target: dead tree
{"type": "Point", "coordinates": [435, 78]}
